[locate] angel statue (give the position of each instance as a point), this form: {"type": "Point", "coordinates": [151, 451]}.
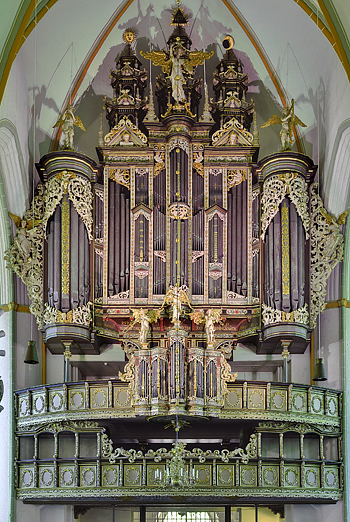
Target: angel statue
{"type": "Point", "coordinates": [24, 228]}
{"type": "Point", "coordinates": [68, 119]}
{"type": "Point", "coordinates": [175, 62]}
{"type": "Point", "coordinates": [176, 297]}
{"type": "Point", "coordinates": [145, 318]}
{"type": "Point", "coordinates": [211, 317]}
{"type": "Point", "coordinates": [287, 120]}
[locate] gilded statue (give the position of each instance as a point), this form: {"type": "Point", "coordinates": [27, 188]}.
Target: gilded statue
{"type": "Point", "coordinates": [176, 297]}
{"type": "Point", "coordinates": [145, 318]}
{"type": "Point", "coordinates": [287, 120]}
{"type": "Point", "coordinates": [68, 119]}
{"type": "Point", "coordinates": [175, 62]}
{"type": "Point", "coordinates": [211, 317]}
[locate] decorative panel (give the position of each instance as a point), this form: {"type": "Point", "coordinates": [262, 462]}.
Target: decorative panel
{"type": "Point", "coordinates": [38, 402]}
{"type": "Point", "coordinates": [202, 473]}
{"type": "Point", "coordinates": [331, 477]}
{"type": "Point", "coordinates": [67, 476]}
{"type": "Point", "coordinates": [24, 405]}
{"type": "Point", "coordinates": [270, 475]}
{"type": "Point", "coordinates": [87, 476]}
{"type": "Point", "coordinates": [291, 476]}
{"type": "Point", "coordinates": [155, 474]}
{"type": "Point", "coordinates": [248, 475]}
{"type": "Point", "coordinates": [225, 475]}
{"type": "Point", "coordinates": [316, 404]}
{"type": "Point", "coordinates": [46, 476]}
{"type": "Point", "coordinates": [299, 401]}
{"type": "Point", "coordinates": [234, 399]}
{"type": "Point", "coordinates": [76, 398]}
{"type": "Point", "coordinates": [132, 474]}
{"type": "Point", "coordinates": [256, 398]}
{"type": "Point", "coordinates": [110, 475]}
{"type": "Point", "coordinates": [312, 476]}
{"type": "Point", "coordinates": [122, 397]}
{"type": "Point", "coordinates": [331, 405]}
{"type": "Point", "coordinates": [26, 477]}
{"type": "Point", "coordinates": [56, 399]}
{"type": "Point", "coordinates": [278, 400]}
{"type": "Point", "coordinates": [99, 397]}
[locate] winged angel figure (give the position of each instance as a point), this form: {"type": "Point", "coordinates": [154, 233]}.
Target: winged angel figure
{"type": "Point", "coordinates": [68, 119]}
{"type": "Point", "coordinates": [24, 229]}
{"type": "Point", "coordinates": [210, 318]}
{"type": "Point", "coordinates": [287, 120]}
{"type": "Point", "coordinates": [175, 62]}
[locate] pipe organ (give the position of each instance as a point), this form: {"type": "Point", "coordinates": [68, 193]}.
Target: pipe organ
{"type": "Point", "coordinates": [178, 244]}
{"type": "Point", "coordinates": [179, 241]}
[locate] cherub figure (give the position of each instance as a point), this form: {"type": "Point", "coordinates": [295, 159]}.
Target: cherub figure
{"type": "Point", "coordinates": [68, 120]}
{"type": "Point", "coordinates": [287, 121]}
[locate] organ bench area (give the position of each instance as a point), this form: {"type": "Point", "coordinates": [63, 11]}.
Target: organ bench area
{"type": "Point", "coordinates": [177, 245]}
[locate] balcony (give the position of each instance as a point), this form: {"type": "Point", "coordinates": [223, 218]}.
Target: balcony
{"type": "Point", "coordinates": [84, 440]}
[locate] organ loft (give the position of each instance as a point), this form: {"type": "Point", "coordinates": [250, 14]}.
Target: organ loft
{"type": "Point", "coordinates": [179, 245]}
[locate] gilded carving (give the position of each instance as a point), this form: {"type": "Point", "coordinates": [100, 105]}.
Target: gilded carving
{"type": "Point", "coordinates": [65, 247]}
{"type": "Point", "coordinates": [285, 250]}
{"type": "Point", "coordinates": [80, 315]}
{"type": "Point", "coordinates": [271, 316]}
{"type": "Point", "coordinates": [235, 177]}
{"type": "Point", "coordinates": [25, 256]}
{"type": "Point", "coordinates": [121, 176]}
{"type": "Point", "coordinates": [125, 125]}
{"type": "Point", "coordinates": [275, 189]}
{"type": "Point", "coordinates": [327, 250]}
{"type": "Point", "coordinates": [232, 125]}
{"type": "Point", "coordinates": [107, 451]}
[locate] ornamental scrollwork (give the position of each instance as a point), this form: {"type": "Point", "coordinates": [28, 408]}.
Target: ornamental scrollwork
{"type": "Point", "coordinates": [121, 176]}
{"type": "Point", "coordinates": [179, 142]}
{"type": "Point", "coordinates": [235, 177]}
{"type": "Point", "coordinates": [80, 315]}
{"type": "Point", "coordinates": [127, 125]}
{"type": "Point", "coordinates": [79, 193]}
{"type": "Point", "coordinates": [275, 189]}
{"type": "Point", "coordinates": [25, 256]}
{"type": "Point", "coordinates": [129, 369]}
{"type": "Point", "coordinates": [232, 124]}
{"type": "Point", "coordinates": [271, 315]}
{"type": "Point", "coordinates": [107, 451]}
{"type": "Point", "coordinates": [327, 250]}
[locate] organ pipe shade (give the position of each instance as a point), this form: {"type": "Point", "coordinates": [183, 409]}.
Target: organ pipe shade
{"type": "Point", "coordinates": [32, 354]}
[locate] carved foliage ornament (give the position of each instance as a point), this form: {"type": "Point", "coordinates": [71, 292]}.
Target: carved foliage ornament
{"type": "Point", "coordinates": [121, 176]}
{"type": "Point", "coordinates": [235, 177]}
{"type": "Point", "coordinates": [275, 189]}
{"type": "Point", "coordinates": [327, 250]}
{"type": "Point", "coordinates": [127, 125]}
{"type": "Point", "coordinates": [25, 256]}
{"type": "Point", "coordinates": [250, 452]}
{"type": "Point", "coordinates": [79, 193]}
{"type": "Point", "coordinates": [80, 315]}
{"type": "Point", "coordinates": [232, 125]}
{"type": "Point", "coordinates": [270, 315]}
